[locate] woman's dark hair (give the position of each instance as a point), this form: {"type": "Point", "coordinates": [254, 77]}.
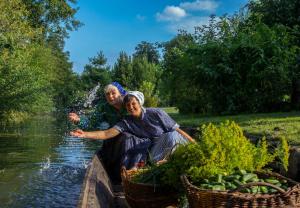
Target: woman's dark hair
{"type": "Point", "coordinates": [128, 98]}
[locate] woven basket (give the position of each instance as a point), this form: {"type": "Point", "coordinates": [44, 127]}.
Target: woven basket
{"type": "Point", "coordinates": [202, 198]}
{"type": "Point", "coordinates": [139, 195]}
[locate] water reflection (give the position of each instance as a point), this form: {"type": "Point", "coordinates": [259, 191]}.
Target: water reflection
{"type": "Point", "coordinates": [41, 167]}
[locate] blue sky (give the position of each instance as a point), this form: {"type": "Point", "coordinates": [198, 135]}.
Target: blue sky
{"type": "Point", "coordinates": [112, 26]}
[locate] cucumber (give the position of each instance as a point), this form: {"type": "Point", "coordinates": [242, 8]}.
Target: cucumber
{"type": "Point", "coordinates": [254, 189]}
{"type": "Point", "coordinates": [272, 181]}
{"type": "Point", "coordinates": [219, 178]}
{"type": "Point", "coordinates": [205, 181]}
{"type": "Point", "coordinates": [254, 180]}
{"type": "Point", "coordinates": [218, 188]}
{"type": "Point", "coordinates": [237, 182]}
{"type": "Point", "coordinates": [242, 172]}
{"type": "Point", "coordinates": [232, 177]}
{"type": "Point", "coordinates": [247, 177]}
{"type": "Point", "coordinates": [246, 190]}
{"type": "Point", "coordinates": [264, 190]}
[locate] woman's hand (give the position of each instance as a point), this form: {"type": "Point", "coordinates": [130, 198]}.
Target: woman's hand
{"type": "Point", "coordinates": [106, 134]}
{"type": "Point", "coordinates": [73, 117]}
{"type": "Point", "coordinates": [160, 162]}
{"type": "Point", "coordinates": [78, 133]}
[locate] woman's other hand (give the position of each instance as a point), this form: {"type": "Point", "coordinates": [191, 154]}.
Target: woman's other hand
{"type": "Point", "coordinates": [78, 133]}
{"type": "Point", "coordinates": [73, 117]}
{"type": "Point", "coordinates": [160, 162]}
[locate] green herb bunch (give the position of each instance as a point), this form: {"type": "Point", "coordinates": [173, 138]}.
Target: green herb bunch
{"type": "Point", "coordinates": [220, 150]}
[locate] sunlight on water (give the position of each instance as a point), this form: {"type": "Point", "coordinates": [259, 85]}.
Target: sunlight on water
{"type": "Point", "coordinates": [44, 169]}
{"type": "Point", "coordinates": [45, 165]}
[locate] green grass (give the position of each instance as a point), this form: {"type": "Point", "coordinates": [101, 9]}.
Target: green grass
{"type": "Point", "coordinates": [275, 124]}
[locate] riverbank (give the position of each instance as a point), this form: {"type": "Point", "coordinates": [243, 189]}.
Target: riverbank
{"type": "Point", "coordinates": [285, 124]}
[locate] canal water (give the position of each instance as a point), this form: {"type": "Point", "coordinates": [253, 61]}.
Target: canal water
{"type": "Point", "coordinates": [41, 166]}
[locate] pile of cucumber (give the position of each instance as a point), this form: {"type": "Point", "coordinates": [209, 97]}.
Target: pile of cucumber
{"type": "Point", "coordinates": [229, 182]}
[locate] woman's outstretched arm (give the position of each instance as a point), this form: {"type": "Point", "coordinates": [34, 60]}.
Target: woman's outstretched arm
{"type": "Point", "coordinates": [186, 135]}
{"type": "Point", "coordinates": [105, 134]}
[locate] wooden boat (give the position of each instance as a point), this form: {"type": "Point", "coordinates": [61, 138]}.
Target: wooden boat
{"type": "Point", "coordinates": [98, 191]}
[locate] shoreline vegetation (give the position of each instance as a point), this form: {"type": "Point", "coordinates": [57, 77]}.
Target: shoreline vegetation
{"type": "Point", "coordinates": [285, 124]}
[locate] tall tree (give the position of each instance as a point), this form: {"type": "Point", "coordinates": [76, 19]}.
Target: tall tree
{"type": "Point", "coordinates": [24, 73]}
{"type": "Point", "coordinates": [96, 72]}
{"type": "Point", "coordinates": [53, 16]}
{"type": "Point", "coordinates": [148, 51]}
{"type": "Point", "coordinates": [287, 13]}
{"type": "Point", "coordinates": [122, 70]}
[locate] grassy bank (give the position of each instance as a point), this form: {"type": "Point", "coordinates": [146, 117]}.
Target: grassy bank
{"type": "Point", "coordinates": [282, 124]}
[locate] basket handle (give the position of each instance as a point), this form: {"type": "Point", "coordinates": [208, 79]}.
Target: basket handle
{"type": "Point", "coordinates": [185, 181]}
{"type": "Point", "coordinates": [124, 172]}
{"type": "Point", "coordinates": [247, 185]}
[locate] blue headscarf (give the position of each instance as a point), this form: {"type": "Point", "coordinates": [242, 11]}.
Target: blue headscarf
{"type": "Point", "coordinates": [120, 88]}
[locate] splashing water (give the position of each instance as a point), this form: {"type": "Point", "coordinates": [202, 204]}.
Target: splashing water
{"type": "Point", "coordinates": [45, 165]}
{"type": "Point", "coordinates": [91, 96]}
{"type": "Point", "coordinates": [85, 164]}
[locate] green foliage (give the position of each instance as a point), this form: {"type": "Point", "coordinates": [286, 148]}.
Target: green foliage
{"type": "Point", "coordinates": [233, 66]}
{"type": "Point", "coordinates": [138, 74]}
{"type": "Point", "coordinates": [122, 70]}
{"type": "Point", "coordinates": [148, 51]}
{"type": "Point", "coordinates": [272, 12]}
{"type": "Point", "coordinates": [35, 74]}
{"type": "Point", "coordinates": [96, 72]}
{"type": "Point", "coordinates": [54, 17]}
{"type": "Point", "coordinates": [220, 150]}
{"type": "Point", "coordinates": [151, 100]}
{"type": "Point", "coordinates": [282, 152]}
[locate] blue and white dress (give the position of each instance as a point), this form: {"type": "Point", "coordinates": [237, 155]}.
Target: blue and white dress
{"type": "Point", "coordinates": [154, 125]}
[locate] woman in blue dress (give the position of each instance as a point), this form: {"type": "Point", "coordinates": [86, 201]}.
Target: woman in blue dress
{"type": "Point", "coordinates": [107, 113]}
{"type": "Point", "coordinates": [146, 124]}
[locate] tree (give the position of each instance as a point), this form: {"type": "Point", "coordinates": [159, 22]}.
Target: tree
{"type": "Point", "coordinates": [142, 70]}
{"type": "Point", "coordinates": [96, 72]}
{"type": "Point", "coordinates": [271, 12]}
{"type": "Point", "coordinates": [148, 51]}
{"type": "Point", "coordinates": [122, 70]}
{"type": "Point", "coordinates": [55, 17]}
{"type": "Point", "coordinates": [23, 79]}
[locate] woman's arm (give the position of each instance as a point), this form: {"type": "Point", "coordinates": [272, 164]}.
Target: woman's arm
{"type": "Point", "coordinates": [184, 134]}
{"type": "Point", "coordinates": [106, 134]}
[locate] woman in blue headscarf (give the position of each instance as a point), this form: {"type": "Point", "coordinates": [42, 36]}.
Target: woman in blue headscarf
{"type": "Point", "coordinates": [107, 113]}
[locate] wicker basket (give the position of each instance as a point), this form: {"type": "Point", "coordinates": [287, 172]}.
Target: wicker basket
{"type": "Point", "coordinates": [139, 195]}
{"type": "Point", "coordinates": [202, 198]}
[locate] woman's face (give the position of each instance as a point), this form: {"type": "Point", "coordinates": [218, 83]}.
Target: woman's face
{"type": "Point", "coordinates": [133, 107]}
{"type": "Point", "coordinates": [113, 96]}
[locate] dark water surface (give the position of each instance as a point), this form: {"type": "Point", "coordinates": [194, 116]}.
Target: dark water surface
{"type": "Point", "coordinates": [40, 166]}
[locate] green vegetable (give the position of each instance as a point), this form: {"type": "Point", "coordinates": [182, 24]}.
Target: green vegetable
{"type": "Point", "coordinates": [218, 188]}
{"type": "Point", "coordinates": [264, 189]}
{"type": "Point", "coordinates": [272, 181]}
{"type": "Point", "coordinates": [248, 177]}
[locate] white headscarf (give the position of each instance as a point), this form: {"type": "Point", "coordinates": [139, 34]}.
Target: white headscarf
{"type": "Point", "coordinates": [138, 95]}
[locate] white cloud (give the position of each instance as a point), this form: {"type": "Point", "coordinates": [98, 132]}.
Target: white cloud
{"type": "Point", "coordinates": [140, 17]}
{"type": "Point", "coordinates": [171, 13]}
{"type": "Point", "coordinates": [199, 5]}
{"type": "Point", "coordinates": [188, 24]}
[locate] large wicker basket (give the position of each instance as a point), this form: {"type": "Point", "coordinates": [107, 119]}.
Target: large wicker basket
{"type": "Point", "coordinates": [202, 198]}
{"type": "Point", "coordinates": [139, 195]}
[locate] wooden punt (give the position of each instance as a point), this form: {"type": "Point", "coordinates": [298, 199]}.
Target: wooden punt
{"type": "Point", "coordinates": [98, 191]}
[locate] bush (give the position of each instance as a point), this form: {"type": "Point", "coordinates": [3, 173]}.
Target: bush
{"type": "Point", "coordinates": [220, 150]}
